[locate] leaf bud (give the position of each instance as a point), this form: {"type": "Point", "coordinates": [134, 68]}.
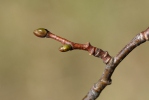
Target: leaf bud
{"type": "Point", "coordinates": [41, 32]}
{"type": "Point", "coordinates": [65, 47]}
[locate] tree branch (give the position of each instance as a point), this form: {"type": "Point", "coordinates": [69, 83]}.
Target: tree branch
{"type": "Point", "coordinates": [111, 62]}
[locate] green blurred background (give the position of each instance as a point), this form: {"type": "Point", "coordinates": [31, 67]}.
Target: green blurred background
{"type": "Point", "coordinates": [32, 68]}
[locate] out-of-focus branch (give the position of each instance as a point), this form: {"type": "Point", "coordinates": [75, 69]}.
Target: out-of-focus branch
{"type": "Point", "coordinates": [111, 62]}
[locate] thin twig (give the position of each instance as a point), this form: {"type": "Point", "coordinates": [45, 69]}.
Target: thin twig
{"type": "Point", "coordinates": [111, 62]}
{"type": "Point", "coordinates": [44, 33]}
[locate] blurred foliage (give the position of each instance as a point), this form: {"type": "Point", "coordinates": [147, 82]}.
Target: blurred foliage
{"type": "Point", "coordinates": [32, 68]}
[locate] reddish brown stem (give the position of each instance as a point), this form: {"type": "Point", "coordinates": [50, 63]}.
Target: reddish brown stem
{"type": "Point", "coordinates": [41, 32]}
{"type": "Point", "coordinates": [58, 38]}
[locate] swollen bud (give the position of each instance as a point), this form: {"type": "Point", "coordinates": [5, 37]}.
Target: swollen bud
{"type": "Point", "coordinates": [41, 32]}
{"type": "Point", "coordinates": [65, 47]}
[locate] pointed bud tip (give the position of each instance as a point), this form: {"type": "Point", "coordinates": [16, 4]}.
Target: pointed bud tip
{"type": "Point", "coordinates": [41, 32]}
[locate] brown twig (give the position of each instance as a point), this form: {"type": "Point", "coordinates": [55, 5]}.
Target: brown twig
{"type": "Point", "coordinates": [111, 63]}
{"type": "Point", "coordinates": [41, 32]}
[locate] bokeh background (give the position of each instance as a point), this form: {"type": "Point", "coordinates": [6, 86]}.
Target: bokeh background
{"type": "Point", "coordinates": [32, 68]}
